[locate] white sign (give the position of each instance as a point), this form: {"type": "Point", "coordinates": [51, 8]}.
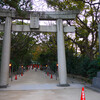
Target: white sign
{"type": "Point", "coordinates": [34, 22]}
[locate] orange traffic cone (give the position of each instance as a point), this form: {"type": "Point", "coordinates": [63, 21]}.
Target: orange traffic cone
{"type": "Point", "coordinates": [51, 76]}
{"type": "Point", "coordinates": [21, 74]}
{"type": "Point", "coordinates": [15, 77]}
{"type": "Point", "coordinates": [82, 94]}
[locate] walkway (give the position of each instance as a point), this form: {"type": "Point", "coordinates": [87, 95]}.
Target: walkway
{"type": "Point", "coordinates": [38, 86]}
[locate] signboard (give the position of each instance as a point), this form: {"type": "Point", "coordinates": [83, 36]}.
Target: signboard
{"type": "Point", "coordinates": [34, 22]}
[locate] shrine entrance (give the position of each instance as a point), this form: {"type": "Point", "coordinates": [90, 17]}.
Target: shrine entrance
{"type": "Point", "coordinates": [34, 26]}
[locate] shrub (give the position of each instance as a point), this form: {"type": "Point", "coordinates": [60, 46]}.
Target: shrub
{"type": "Point", "coordinates": [93, 68]}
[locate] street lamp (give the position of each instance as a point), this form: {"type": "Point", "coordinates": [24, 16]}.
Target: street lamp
{"type": "Point", "coordinates": [10, 71]}
{"type": "Point", "coordinates": [46, 65]}
{"type": "Point", "coordinates": [22, 70]}
{"type": "Point", "coordinates": [9, 65]}
{"type": "Point", "coordinates": [56, 70]}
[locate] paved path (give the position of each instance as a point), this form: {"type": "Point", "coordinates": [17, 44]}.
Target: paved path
{"type": "Point", "coordinates": [38, 86]}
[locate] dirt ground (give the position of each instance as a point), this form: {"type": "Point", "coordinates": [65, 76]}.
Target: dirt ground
{"type": "Point", "coordinates": [38, 86]}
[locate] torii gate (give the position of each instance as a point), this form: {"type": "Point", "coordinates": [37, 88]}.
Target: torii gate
{"type": "Point", "coordinates": [34, 17]}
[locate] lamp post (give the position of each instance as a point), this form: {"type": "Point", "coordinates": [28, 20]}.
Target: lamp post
{"type": "Point", "coordinates": [57, 66]}
{"type": "Point", "coordinates": [11, 71]}
{"type": "Point", "coordinates": [10, 68]}
{"type": "Point", "coordinates": [22, 70]}
{"type": "Point", "coordinates": [56, 70]}
{"type": "Point", "coordinates": [46, 66]}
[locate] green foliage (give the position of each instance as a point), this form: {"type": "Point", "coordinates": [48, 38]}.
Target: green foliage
{"type": "Point", "coordinates": [66, 4]}
{"type": "Point", "coordinates": [71, 61]}
{"type": "Point", "coordinates": [46, 51]}
{"type": "Point", "coordinates": [14, 65]}
{"type": "Point", "coordinates": [47, 58]}
{"type": "Point", "coordinates": [86, 23]}
{"type": "Point", "coordinates": [93, 67]}
{"type": "Point", "coordinates": [84, 62]}
{"type": "Point", "coordinates": [82, 65]}
{"type": "Point", "coordinates": [22, 45]}
{"type": "Point", "coordinates": [53, 66]}
{"type": "Point", "coordinates": [18, 5]}
{"type": "Point", "coordinates": [21, 50]}
{"type": "Point", "coordinates": [43, 58]}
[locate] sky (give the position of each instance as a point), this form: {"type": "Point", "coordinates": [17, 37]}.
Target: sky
{"type": "Point", "coordinates": [41, 5]}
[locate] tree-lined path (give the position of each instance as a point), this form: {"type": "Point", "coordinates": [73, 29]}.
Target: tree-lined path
{"type": "Point", "coordinates": [39, 86]}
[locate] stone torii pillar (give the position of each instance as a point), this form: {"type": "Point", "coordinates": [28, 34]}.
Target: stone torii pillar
{"type": "Point", "coordinates": [99, 36]}
{"type": "Point", "coordinates": [61, 54]}
{"type": "Point", "coordinates": [4, 74]}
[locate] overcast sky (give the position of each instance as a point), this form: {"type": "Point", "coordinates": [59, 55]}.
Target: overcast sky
{"type": "Point", "coordinates": [41, 5]}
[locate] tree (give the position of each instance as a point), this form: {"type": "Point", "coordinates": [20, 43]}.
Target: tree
{"type": "Point", "coordinates": [85, 37]}
{"type": "Point", "coordinates": [46, 51]}
{"type": "Point", "coordinates": [20, 6]}
{"type": "Point", "coordinates": [22, 46]}
{"type": "Point", "coordinates": [86, 23]}
{"type": "Point", "coordinates": [65, 4]}
{"type": "Point", "coordinates": [16, 4]}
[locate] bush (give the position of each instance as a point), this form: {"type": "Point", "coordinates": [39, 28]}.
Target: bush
{"type": "Point", "coordinates": [82, 65]}
{"type": "Point", "coordinates": [71, 62]}
{"type": "Point", "coordinates": [93, 68]}
{"type": "Point", "coordinates": [53, 67]}
{"type": "Point", "coordinates": [84, 62]}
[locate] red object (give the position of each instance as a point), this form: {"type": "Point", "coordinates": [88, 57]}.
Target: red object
{"type": "Point", "coordinates": [15, 77]}
{"type": "Point", "coordinates": [21, 74]}
{"type": "Point", "coordinates": [33, 66]}
{"type": "Point", "coordinates": [51, 76]}
{"type": "Point", "coordinates": [83, 94]}
{"type": "Point", "coordinates": [47, 73]}
{"type": "Point", "coordinates": [38, 66]}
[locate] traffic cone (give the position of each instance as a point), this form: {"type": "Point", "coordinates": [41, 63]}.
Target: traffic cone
{"type": "Point", "coordinates": [51, 76]}
{"type": "Point", "coordinates": [82, 94]}
{"type": "Point", "coordinates": [15, 77]}
{"type": "Point", "coordinates": [21, 74]}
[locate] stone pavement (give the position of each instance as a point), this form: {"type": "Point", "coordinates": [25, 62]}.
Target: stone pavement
{"type": "Point", "coordinates": [38, 86]}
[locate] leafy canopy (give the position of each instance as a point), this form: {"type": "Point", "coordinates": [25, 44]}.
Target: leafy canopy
{"type": "Point", "coordinates": [18, 5]}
